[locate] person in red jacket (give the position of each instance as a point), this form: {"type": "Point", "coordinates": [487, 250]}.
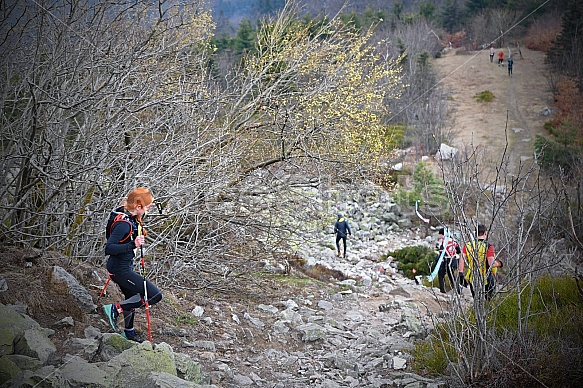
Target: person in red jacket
{"type": "Point", "coordinates": [500, 57]}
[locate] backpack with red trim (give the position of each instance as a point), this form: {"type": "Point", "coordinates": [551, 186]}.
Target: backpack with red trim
{"type": "Point", "coordinates": [119, 216]}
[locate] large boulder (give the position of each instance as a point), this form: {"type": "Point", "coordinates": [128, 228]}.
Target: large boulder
{"type": "Point", "coordinates": [446, 152]}
{"type": "Point", "coordinates": [167, 380]}
{"type": "Point", "coordinates": [8, 369]}
{"type": "Point", "coordinates": [112, 345]}
{"type": "Point", "coordinates": [6, 341]}
{"type": "Point", "coordinates": [34, 343]}
{"type": "Point", "coordinates": [44, 377]}
{"type": "Point", "coordinates": [20, 334]}
{"type": "Point", "coordinates": [76, 290]}
{"type": "Point", "coordinates": [17, 323]}
{"type": "Point", "coordinates": [188, 369]}
{"type": "Point", "coordinates": [77, 372]}
{"type": "Point", "coordinates": [25, 362]}
{"type": "Point", "coordinates": [135, 364]}
{"type": "Point", "coordinates": [27, 351]}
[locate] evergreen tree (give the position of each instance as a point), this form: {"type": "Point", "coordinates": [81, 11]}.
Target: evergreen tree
{"type": "Point", "coordinates": [268, 7]}
{"type": "Point", "coordinates": [427, 10]}
{"type": "Point", "coordinates": [567, 51]}
{"type": "Point", "coordinates": [473, 7]}
{"type": "Point", "coordinates": [450, 16]}
{"type": "Point", "coordinates": [572, 25]}
{"type": "Point", "coordinates": [398, 10]}
{"type": "Point", "coordinates": [246, 36]}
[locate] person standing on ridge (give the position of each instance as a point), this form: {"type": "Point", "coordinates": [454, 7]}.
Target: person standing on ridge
{"type": "Point", "coordinates": [519, 51]}
{"type": "Point", "coordinates": [342, 231]}
{"type": "Point", "coordinates": [123, 237]}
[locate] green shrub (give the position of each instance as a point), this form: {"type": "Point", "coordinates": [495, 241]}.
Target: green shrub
{"type": "Point", "coordinates": [406, 197]}
{"type": "Point", "coordinates": [549, 126]}
{"type": "Point", "coordinates": [426, 188]}
{"type": "Point", "coordinates": [418, 257]}
{"type": "Point", "coordinates": [485, 96]}
{"type": "Point", "coordinates": [556, 309]}
{"type": "Point", "coordinates": [186, 319]}
{"type": "Point", "coordinates": [394, 136]}
{"type": "Point", "coordinates": [429, 357]}
{"type": "Point", "coordinates": [548, 349]}
{"type": "Point", "coordinates": [562, 148]}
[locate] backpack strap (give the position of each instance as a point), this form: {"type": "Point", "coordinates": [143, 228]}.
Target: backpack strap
{"type": "Point", "coordinates": [122, 218]}
{"type": "Point", "coordinates": [486, 255]}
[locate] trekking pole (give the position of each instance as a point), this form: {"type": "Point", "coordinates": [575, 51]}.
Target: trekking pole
{"type": "Point", "coordinates": [446, 239]}
{"type": "Point", "coordinates": [105, 286]}
{"type": "Point", "coordinates": [426, 220]}
{"type": "Point", "coordinates": [146, 290]}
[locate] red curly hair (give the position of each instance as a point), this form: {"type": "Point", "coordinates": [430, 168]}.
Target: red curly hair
{"type": "Point", "coordinates": [139, 197]}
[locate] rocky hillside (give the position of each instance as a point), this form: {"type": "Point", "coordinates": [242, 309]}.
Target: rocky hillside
{"type": "Point", "coordinates": [355, 328]}
{"type": "Point", "coordinates": [352, 327]}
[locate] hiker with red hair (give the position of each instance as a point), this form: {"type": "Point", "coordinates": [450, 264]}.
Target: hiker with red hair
{"type": "Point", "coordinates": [124, 234]}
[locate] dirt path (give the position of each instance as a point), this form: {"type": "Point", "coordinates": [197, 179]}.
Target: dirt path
{"type": "Point", "coordinates": [518, 99]}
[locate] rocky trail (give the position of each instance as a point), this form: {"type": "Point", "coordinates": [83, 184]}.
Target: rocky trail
{"type": "Point", "coordinates": [353, 331]}
{"type": "Point", "coordinates": [284, 331]}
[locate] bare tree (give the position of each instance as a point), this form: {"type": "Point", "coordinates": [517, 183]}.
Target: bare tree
{"type": "Point", "coordinates": [90, 92]}
{"type": "Point", "coordinates": [521, 210]}
{"type": "Point", "coordinates": [101, 97]}
{"type": "Point", "coordinates": [423, 105]}
{"type": "Point", "coordinates": [493, 26]}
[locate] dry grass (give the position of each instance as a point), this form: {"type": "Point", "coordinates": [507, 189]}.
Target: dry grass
{"type": "Point", "coordinates": [318, 271]}
{"type": "Point", "coordinates": [569, 102]}
{"type": "Point", "coordinates": [46, 300]}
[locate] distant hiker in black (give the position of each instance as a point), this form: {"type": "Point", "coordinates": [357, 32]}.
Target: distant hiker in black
{"type": "Point", "coordinates": [122, 238]}
{"type": "Point", "coordinates": [342, 231]}
{"type": "Point", "coordinates": [510, 63]}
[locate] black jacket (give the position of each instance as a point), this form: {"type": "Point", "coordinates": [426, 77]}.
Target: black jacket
{"type": "Point", "coordinates": [120, 244]}
{"type": "Point", "coordinates": [342, 228]}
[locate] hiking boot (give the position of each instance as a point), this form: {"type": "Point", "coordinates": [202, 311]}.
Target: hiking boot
{"type": "Point", "coordinates": [112, 315]}
{"type": "Point", "coordinates": [338, 254]}
{"type": "Point", "coordinates": [132, 336]}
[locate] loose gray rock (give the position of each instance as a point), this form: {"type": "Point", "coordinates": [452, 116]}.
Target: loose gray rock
{"type": "Point", "coordinates": [76, 290]}
{"type": "Point", "coordinates": [325, 305]}
{"type": "Point", "coordinates": [198, 311]}
{"type": "Point", "coordinates": [312, 332]}
{"type": "Point", "coordinates": [34, 343]}
{"type": "Point", "coordinates": [242, 381]}
{"type": "Point", "coordinates": [80, 373]}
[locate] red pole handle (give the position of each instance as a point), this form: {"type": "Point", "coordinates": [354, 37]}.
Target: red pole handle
{"type": "Point", "coordinates": [146, 292]}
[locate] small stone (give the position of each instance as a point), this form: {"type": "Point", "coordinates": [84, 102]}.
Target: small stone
{"type": "Point", "coordinates": [198, 311]}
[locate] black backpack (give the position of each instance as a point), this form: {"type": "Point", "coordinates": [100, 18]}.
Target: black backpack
{"type": "Point", "coordinates": [119, 216]}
